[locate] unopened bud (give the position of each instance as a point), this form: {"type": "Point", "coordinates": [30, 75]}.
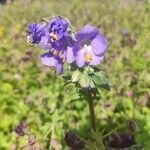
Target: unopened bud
{"type": "Point", "coordinates": [132, 125]}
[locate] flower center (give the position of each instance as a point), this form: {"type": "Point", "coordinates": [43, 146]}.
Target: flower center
{"type": "Point", "coordinates": [54, 52]}
{"type": "Point", "coordinates": [88, 57]}
{"type": "Point", "coordinates": [61, 54]}
{"type": "Point", "coordinates": [53, 36]}
{"type": "Point", "coordinates": [58, 54]}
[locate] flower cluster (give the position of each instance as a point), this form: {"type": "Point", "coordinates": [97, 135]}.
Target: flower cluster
{"type": "Point", "coordinates": [54, 36]}
{"type": "Point", "coordinates": [74, 142]}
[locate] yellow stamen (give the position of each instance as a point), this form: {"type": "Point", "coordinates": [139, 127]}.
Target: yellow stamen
{"type": "Point", "coordinates": [63, 60]}
{"type": "Point", "coordinates": [54, 52]}
{"type": "Point", "coordinates": [61, 54]}
{"type": "Point", "coordinates": [53, 36]}
{"type": "Point", "coordinates": [88, 57]}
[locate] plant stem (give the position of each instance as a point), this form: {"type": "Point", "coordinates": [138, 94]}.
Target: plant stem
{"type": "Point", "coordinates": [91, 108]}
{"type": "Point", "coordinates": [17, 142]}
{"type": "Point", "coordinates": [48, 141]}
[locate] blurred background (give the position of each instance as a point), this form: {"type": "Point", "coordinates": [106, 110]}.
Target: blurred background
{"type": "Point", "coordinates": [31, 92]}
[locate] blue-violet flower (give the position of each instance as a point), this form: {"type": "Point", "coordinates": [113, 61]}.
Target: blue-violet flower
{"type": "Point", "coordinates": [89, 47]}
{"type": "Point", "coordinates": [36, 32]}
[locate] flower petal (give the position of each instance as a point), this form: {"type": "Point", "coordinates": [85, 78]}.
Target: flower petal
{"type": "Point", "coordinates": [99, 44]}
{"type": "Point", "coordinates": [45, 42]}
{"type": "Point", "coordinates": [88, 32]}
{"type": "Point", "coordinates": [96, 60]}
{"type": "Point", "coordinates": [70, 55]}
{"type": "Point", "coordinates": [48, 59]}
{"type": "Point", "coordinates": [58, 26]}
{"type": "Point", "coordinates": [36, 32]}
{"type": "Point", "coordinates": [80, 58]}
{"type": "Point", "coordinates": [59, 68]}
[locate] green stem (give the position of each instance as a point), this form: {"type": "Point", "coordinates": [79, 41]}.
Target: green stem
{"type": "Point", "coordinates": [91, 108]}
{"type": "Point", "coordinates": [48, 141]}
{"type": "Point", "coordinates": [17, 142]}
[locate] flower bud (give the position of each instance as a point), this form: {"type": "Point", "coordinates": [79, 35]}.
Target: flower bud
{"type": "Point", "coordinates": [132, 125]}
{"type": "Point", "coordinates": [74, 142]}
{"type": "Point", "coordinates": [130, 93]}
{"type": "Point", "coordinates": [20, 129]}
{"type": "Point", "coordinates": [123, 140]}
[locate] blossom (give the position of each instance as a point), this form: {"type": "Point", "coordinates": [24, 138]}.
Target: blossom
{"type": "Point", "coordinates": [122, 140]}
{"type": "Point", "coordinates": [59, 53]}
{"type": "Point", "coordinates": [20, 129]}
{"type": "Point", "coordinates": [73, 141]}
{"type": "Point", "coordinates": [130, 93]}
{"type": "Point", "coordinates": [65, 46]}
{"type": "Point", "coordinates": [36, 32]}
{"type": "Point", "coordinates": [89, 47]}
{"type": "Point", "coordinates": [53, 37]}
{"type": "Point", "coordinates": [45, 42]}
{"type": "Point", "coordinates": [55, 34]}
{"type": "Point", "coordinates": [57, 27]}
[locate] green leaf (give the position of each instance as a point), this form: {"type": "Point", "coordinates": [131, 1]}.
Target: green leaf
{"type": "Point", "coordinates": [92, 85]}
{"type": "Point", "coordinates": [96, 143]}
{"type": "Point", "coordinates": [99, 78]}
{"type": "Point", "coordinates": [84, 81]}
{"type": "Point", "coordinates": [75, 76]}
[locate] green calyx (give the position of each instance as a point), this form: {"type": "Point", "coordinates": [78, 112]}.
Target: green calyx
{"type": "Point", "coordinates": [91, 78]}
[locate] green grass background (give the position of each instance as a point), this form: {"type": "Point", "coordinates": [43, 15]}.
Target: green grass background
{"type": "Point", "coordinates": [30, 91]}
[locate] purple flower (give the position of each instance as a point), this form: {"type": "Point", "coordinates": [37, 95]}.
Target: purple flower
{"type": "Point", "coordinates": [58, 42]}
{"type": "Point", "coordinates": [58, 53]}
{"type": "Point", "coordinates": [45, 42]}
{"type": "Point", "coordinates": [70, 57]}
{"type": "Point", "coordinates": [65, 45]}
{"type": "Point", "coordinates": [89, 47]}
{"type": "Point", "coordinates": [74, 142]}
{"type": "Point", "coordinates": [122, 140]}
{"type": "Point", "coordinates": [20, 129]}
{"type": "Point", "coordinates": [36, 32]}
{"type": "Point", "coordinates": [54, 35]}
{"type": "Point", "coordinates": [57, 27]}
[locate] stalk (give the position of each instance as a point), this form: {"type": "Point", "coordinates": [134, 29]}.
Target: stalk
{"type": "Point", "coordinates": [91, 109]}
